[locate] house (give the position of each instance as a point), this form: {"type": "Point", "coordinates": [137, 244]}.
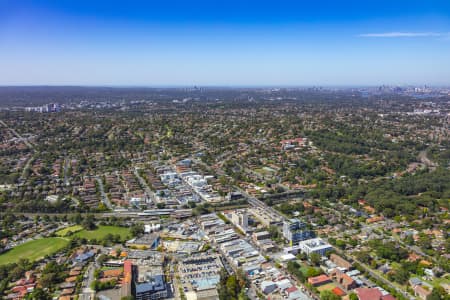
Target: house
{"type": "Point", "coordinates": [375, 219]}
{"type": "Point", "coordinates": [429, 273]}
{"type": "Point", "coordinates": [372, 294]}
{"type": "Point", "coordinates": [446, 287]}
{"type": "Point", "coordinates": [83, 257]}
{"type": "Point", "coordinates": [268, 287]}
{"type": "Point", "coordinates": [291, 290]}
{"type": "Point", "coordinates": [284, 284]}
{"type": "Point", "coordinates": [67, 292]}
{"type": "Point", "coordinates": [369, 209]}
{"type": "Point", "coordinates": [74, 272]}
{"type": "Point", "coordinates": [71, 279]}
{"type": "Point", "coordinates": [415, 281]}
{"type": "Point", "coordinates": [421, 291]}
{"type": "Point", "coordinates": [294, 293]}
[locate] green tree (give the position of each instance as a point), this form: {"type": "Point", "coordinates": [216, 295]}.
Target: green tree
{"type": "Point", "coordinates": [314, 258]}
{"type": "Point", "coordinates": [328, 295]}
{"type": "Point", "coordinates": [137, 229]}
{"type": "Point", "coordinates": [401, 275]}
{"type": "Point", "coordinates": [40, 294]}
{"type": "Point", "coordinates": [438, 293]}
{"type": "Point", "coordinates": [353, 296]}
{"type": "Point", "coordinates": [89, 222]}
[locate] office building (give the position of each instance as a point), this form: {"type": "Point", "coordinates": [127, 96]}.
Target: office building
{"type": "Point", "coordinates": [295, 231]}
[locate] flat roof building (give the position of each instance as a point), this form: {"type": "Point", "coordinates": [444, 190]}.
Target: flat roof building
{"type": "Point", "coordinates": [316, 245]}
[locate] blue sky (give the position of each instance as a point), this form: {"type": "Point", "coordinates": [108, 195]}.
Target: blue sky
{"type": "Point", "coordinates": [245, 43]}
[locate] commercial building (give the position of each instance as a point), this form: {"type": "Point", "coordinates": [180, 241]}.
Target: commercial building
{"type": "Point", "coordinates": [261, 235]}
{"type": "Point", "coordinates": [200, 275]}
{"type": "Point", "coordinates": [295, 231]}
{"type": "Point", "coordinates": [265, 217]}
{"type": "Point", "coordinates": [343, 279]}
{"type": "Point", "coordinates": [148, 240]}
{"type": "Point", "coordinates": [316, 245]}
{"type": "Point", "coordinates": [241, 254]}
{"type": "Point", "coordinates": [148, 283]}
{"type": "Point", "coordinates": [240, 220]}
{"type": "Point", "coordinates": [340, 262]}
{"type": "Point", "coordinates": [143, 281]}
{"type": "Point", "coordinates": [209, 294]}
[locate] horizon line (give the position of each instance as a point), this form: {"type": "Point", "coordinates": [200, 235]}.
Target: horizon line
{"type": "Point", "coordinates": [226, 86]}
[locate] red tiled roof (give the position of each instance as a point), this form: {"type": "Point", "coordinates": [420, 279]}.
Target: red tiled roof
{"type": "Point", "coordinates": [127, 270]}
{"type": "Point", "coordinates": [318, 279]}
{"type": "Point", "coordinates": [112, 273]}
{"type": "Point", "coordinates": [368, 294]}
{"type": "Point", "coordinates": [292, 289]}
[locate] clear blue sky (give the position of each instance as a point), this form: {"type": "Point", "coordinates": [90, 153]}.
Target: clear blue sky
{"type": "Point", "coordinates": [233, 42]}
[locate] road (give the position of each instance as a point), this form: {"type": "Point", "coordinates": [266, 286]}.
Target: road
{"type": "Point", "coordinates": [148, 191]}
{"type": "Point", "coordinates": [381, 278]}
{"type": "Point", "coordinates": [175, 283]}
{"type": "Point", "coordinates": [257, 203]}
{"type": "Point", "coordinates": [87, 293]}
{"type": "Point", "coordinates": [25, 168]}
{"type": "Point", "coordinates": [17, 135]}
{"type": "Point", "coordinates": [423, 157]}
{"type": "Point", "coordinates": [65, 170]}
{"type": "Point", "coordinates": [373, 274]}
{"type": "Point", "coordinates": [29, 145]}
{"type": "Point", "coordinates": [251, 200]}
{"type": "Point", "coordinates": [105, 198]}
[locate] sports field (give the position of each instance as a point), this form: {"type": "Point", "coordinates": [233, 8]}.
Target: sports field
{"type": "Point", "coordinates": [102, 231]}
{"type": "Point", "coordinates": [72, 229]}
{"type": "Point", "coordinates": [328, 286]}
{"type": "Point", "coordinates": [33, 250]}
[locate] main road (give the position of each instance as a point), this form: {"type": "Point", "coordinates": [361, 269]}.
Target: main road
{"type": "Point", "coordinates": [88, 293]}
{"type": "Point", "coordinates": [105, 198]}
{"type": "Point", "coordinates": [251, 200]}
{"type": "Point", "coordinates": [144, 184]}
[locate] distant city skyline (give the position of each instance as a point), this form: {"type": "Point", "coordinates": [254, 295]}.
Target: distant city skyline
{"type": "Point", "coordinates": [232, 43]}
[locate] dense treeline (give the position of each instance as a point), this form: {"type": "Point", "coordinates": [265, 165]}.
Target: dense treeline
{"type": "Point", "coordinates": [232, 287]}
{"type": "Point", "coordinates": [403, 196]}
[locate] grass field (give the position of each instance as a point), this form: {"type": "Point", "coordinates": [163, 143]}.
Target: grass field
{"type": "Point", "coordinates": [73, 229]}
{"type": "Point", "coordinates": [33, 250]}
{"type": "Point", "coordinates": [102, 231]}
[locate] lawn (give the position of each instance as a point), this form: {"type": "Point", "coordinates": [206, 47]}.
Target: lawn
{"type": "Point", "coordinates": [33, 250]}
{"type": "Point", "coordinates": [72, 229]}
{"type": "Point", "coordinates": [102, 231]}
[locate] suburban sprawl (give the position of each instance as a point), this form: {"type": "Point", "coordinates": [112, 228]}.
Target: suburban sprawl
{"type": "Point", "coordinates": [225, 193]}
